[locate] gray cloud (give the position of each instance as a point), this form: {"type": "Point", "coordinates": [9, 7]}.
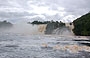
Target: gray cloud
{"type": "Point", "coordinates": [65, 10]}
{"type": "Point", "coordinates": [15, 16]}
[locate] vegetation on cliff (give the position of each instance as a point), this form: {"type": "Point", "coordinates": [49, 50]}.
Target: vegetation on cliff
{"type": "Point", "coordinates": [5, 24]}
{"type": "Point", "coordinates": [38, 22]}
{"type": "Point", "coordinates": [81, 25]}
{"type": "Point", "coordinates": [47, 22]}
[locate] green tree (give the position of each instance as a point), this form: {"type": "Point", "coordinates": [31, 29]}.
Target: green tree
{"type": "Point", "coordinates": [82, 25]}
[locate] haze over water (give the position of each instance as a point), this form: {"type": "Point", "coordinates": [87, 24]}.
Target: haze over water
{"type": "Point", "coordinates": [29, 41]}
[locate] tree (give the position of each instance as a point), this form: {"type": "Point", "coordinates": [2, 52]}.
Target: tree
{"type": "Point", "coordinates": [81, 25]}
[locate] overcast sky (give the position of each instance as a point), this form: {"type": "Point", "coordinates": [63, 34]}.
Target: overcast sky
{"type": "Point", "coordinates": [29, 10]}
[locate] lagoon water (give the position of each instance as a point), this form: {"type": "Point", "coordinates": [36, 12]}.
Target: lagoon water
{"type": "Point", "coordinates": [20, 45]}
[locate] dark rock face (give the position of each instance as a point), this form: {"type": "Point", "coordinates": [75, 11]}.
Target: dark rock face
{"type": "Point", "coordinates": [49, 28]}
{"type": "Point", "coordinates": [52, 26]}
{"type": "Point", "coordinates": [63, 31]}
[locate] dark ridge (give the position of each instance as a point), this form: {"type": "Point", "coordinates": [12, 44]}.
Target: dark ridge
{"type": "Point", "coordinates": [11, 46]}
{"type": "Point", "coordinates": [87, 44]}
{"type": "Point", "coordinates": [38, 22]}
{"type": "Point", "coordinates": [82, 40]}
{"type": "Point", "coordinates": [5, 24]}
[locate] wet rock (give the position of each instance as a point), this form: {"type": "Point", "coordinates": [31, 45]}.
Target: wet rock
{"type": "Point", "coordinates": [82, 40]}
{"type": "Point", "coordinates": [87, 44]}
{"type": "Point", "coordinates": [11, 46]}
{"type": "Point", "coordinates": [48, 48]}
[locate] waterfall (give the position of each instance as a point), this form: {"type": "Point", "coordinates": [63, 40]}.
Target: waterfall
{"type": "Point", "coordinates": [62, 31]}
{"type": "Point", "coordinates": [40, 29]}
{"type": "Point", "coordinates": [59, 30]}
{"type": "Point", "coordinates": [27, 29]}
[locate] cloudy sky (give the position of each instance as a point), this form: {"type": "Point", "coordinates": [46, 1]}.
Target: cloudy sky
{"type": "Point", "coordinates": [29, 10]}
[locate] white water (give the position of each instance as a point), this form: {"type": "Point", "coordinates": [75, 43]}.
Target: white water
{"type": "Point", "coordinates": [34, 45]}
{"type": "Point", "coordinates": [63, 31]}
{"type": "Point", "coordinates": [27, 29]}
{"type": "Point", "coordinates": [39, 46]}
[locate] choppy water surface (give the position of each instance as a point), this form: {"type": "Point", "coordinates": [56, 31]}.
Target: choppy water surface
{"type": "Point", "coordinates": [41, 46]}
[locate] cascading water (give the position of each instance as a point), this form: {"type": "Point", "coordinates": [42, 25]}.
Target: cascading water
{"type": "Point", "coordinates": [57, 29]}
{"type": "Point", "coordinates": [35, 45]}
{"type": "Point", "coordinates": [26, 29]}
{"type": "Point", "coordinates": [63, 31]}
{"type": "Point", "coordinates": [39, 29]}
